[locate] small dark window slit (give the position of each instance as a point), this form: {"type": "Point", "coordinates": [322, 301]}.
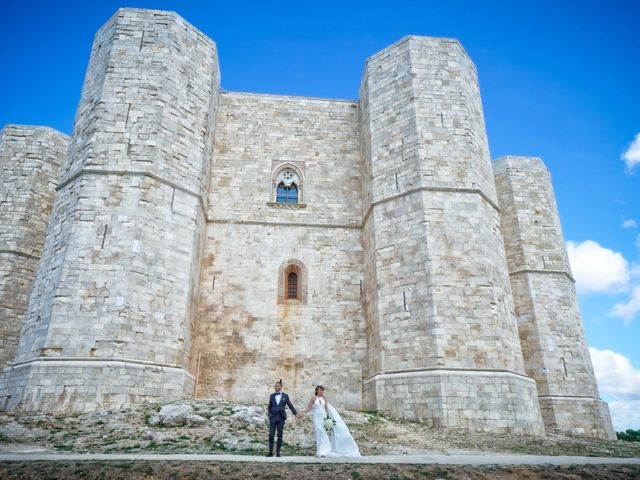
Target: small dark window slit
{"type": "Point", "coordinates": [104, 237]}
{"type": "Point", "coordinates": [292, 285]}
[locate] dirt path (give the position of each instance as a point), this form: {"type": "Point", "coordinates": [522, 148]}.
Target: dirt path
{"type": "Point", "coordinates": [173, 470]}
{"type": "Point", "coordinates": [456, 459]}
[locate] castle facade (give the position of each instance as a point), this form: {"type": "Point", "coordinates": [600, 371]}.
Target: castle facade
{"type": "Point", "coordinates": [188, 241]}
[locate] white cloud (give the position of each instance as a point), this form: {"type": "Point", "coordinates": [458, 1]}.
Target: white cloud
{"type": "Point", "coordinates": [619, 384]}
{"type": "Point", "coordinates": [631, 156]}
{"type": "Point", "coordinates": [615, 374]}
{"type": "Point", "coordinates": [625, 414]}
{"type": "Point", "coordinates": [597, 269]}
{"type": "Point", "coordinates": [629, 224]}
{"type": "Point", "coordinates": [628, 311]}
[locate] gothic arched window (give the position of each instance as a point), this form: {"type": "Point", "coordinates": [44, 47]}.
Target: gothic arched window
{"type": "Point", "coordinates": [287, 185]}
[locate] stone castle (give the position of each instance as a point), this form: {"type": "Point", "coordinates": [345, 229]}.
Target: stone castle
{"type": "Point", "coordinates": [189, 241]}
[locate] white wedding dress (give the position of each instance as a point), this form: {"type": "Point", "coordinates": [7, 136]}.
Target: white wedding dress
{"type": "Point", "coordinates": [338, 443]}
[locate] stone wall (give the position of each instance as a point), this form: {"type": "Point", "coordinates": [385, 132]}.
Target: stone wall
{"type": "Point", "coordinates": [255, 134]}
{"type": "Point", "coordinates": [437, 290]}
{"type": "Point", "coordinates": [245, 338]}
{"type": "Point", "coordinates": [121, 261]}
{"type": "Point", "coordinates": [30, 160]}
{"type": "Point", "coordinates": [554, 346]}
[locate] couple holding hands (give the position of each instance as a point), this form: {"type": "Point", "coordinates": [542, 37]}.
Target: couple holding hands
{"type": "Point", "coordinates": [332, 436]}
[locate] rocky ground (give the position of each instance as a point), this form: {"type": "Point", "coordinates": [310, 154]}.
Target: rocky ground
{"type": "Point", "coordinates": [216, 426]}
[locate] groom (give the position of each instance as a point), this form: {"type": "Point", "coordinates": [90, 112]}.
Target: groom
{"type": "Point", "coordinates": [277, 415]}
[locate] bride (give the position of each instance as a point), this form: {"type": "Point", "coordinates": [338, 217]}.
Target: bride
{"type": "Point", "coordinates": [339, 442]}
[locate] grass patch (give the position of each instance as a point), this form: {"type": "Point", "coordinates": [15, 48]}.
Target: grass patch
{"type": "Point", "coordinates": [63, 447]}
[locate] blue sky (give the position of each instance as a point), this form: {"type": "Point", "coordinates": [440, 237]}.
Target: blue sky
{"type": "Point", "coordinates": [559, 80]}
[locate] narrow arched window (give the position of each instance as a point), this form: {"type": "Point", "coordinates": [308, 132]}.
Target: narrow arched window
{"type": "Point", "coordinates": [292, 285]}
{"type": "Point", "coordinates": [292, 282]}
{"type": "Point", "coordinates": [287, 194]}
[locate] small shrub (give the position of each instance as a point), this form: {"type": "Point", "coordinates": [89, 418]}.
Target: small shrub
{"type": "Point", "coordinates": [629, 435]}
{"type": "Point", "coordinates": [440, 473]}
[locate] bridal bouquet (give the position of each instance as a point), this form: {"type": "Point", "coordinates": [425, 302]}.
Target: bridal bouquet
{"type": "Point", "coordinates": [329, 423]}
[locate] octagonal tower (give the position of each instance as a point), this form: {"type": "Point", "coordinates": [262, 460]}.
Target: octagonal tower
{"type": "Point", "coordinates": [109, 319]}
{"type": "Point", "coordinates": [553, 341]}
{"type": "Point", "coordinates": [443, 339]}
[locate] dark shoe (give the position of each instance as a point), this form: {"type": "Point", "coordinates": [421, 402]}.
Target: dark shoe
{"type": "Point", "coordinates": [270, 454]}
{"type": "Point", "coordinates": [278, 454]}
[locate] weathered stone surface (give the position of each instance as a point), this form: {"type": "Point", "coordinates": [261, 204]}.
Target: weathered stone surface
{"type": "Point", "coordinates": [16, 432]}
{"type": "Point", "coordinates": [245, 338]}
{"type": "Point", "coordinates": [52, 385]}
{"type": "Point", "coordinates": [167, 258]}
{"type": "Point", "coordinates": [250, 415]}
{"type": "Point", "coordinates": [481, 400]}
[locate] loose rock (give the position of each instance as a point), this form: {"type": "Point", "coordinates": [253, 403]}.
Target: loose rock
{"type": "Point", "coordinates": [176, 416]}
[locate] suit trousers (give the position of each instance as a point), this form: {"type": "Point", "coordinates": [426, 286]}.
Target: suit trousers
{"type": "Point", "coordinates": [276, 423]}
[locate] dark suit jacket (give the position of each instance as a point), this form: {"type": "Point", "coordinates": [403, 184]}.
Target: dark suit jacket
{"type": "Point", "coordinates": [279, 409]}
